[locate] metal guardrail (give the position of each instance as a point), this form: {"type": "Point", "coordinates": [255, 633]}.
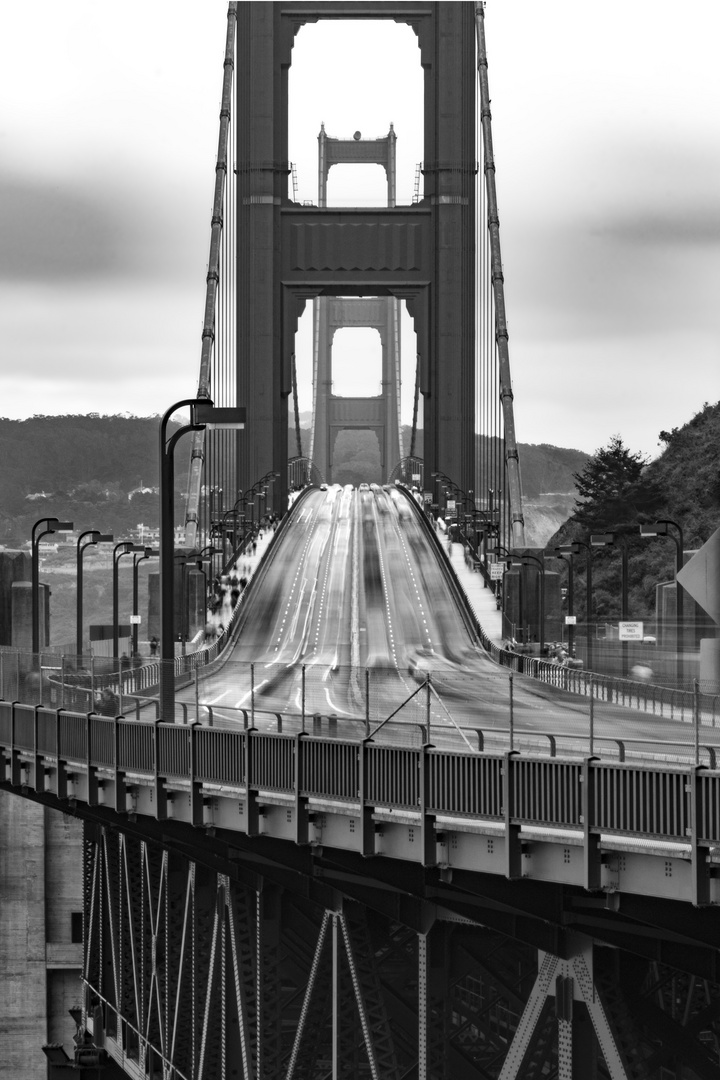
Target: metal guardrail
{"type": "Point", "coordinates": [679, 804]}
{"type": "Point", "coordinates": [663, 701]}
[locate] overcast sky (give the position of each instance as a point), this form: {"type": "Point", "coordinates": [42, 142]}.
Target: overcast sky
{"type": "Point", "coordinates": [607, 136]}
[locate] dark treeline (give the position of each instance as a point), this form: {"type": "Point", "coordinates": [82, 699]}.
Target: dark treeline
{"type": "Point", "coordinates": [86, 466]}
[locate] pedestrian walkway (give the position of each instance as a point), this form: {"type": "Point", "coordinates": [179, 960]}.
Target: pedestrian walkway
{"type": "Point", "coordinates": [480, 596]}
{"type": "Point", "coordinates": [243, 568]}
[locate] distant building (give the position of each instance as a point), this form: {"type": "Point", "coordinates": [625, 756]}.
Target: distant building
{"type": "Point", "coordinates": [142, 490]}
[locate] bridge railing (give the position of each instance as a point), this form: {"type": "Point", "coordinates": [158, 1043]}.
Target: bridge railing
{"type": "Point", "coordinates": [427, 700]}
{"type": "Point", "coordinates": [666, 701]}
{"type": "Point", "coordinates": [672, 703]}
{"type": "Point", "coordinates": [668, 802]}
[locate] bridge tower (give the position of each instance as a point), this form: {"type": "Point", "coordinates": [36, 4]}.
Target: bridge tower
{"type": "Point", "coordinates": [381, 412]}
{"type": "Point", "coordinates": [424, 254]}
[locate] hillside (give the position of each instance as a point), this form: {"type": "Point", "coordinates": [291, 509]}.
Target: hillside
{"type": "Point", "coordinates": [682, 485]}
{"type": "Point", "coordinates": [81, 468]}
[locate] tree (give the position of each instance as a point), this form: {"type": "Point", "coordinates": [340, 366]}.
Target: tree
{"type": "Point", "coordinates": [613, 490]}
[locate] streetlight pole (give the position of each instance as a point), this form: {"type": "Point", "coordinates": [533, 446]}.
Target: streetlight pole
{"type": "Point", "coordinates": [183, 560]}
{"type": "Point", "coordinates": [541, 584]}
{"type": "Point", "coordinates": [94, 538]}
{"type": "Point", "coordinates": [148, 553]}
{"type": "Point", "coordinates": [567, 557]}
{"type": "Point", "coordinates": [660, 528]}
{"type": "Point", "coordinates": [43, 527]}
{"type": "Point", "coordinates": [199, 560]}
{"type": "Point", "coordinates": [503, 552]}
{"type": "Point", "coordinates": [613, 540]}
{"type": "Point", "coordinates": [574, 549]}
{"type": "Point", "coordinates": [203, 414]}
{"type": "Point", "coordinates": [569, 550]}
{"type": "Point", "coordinates": [125, 547]}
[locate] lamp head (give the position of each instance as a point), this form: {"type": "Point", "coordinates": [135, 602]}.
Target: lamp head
{"type": "Point", "coordinates": [655, 528]}
{"type": "Point", "coordinates": [205, 414]}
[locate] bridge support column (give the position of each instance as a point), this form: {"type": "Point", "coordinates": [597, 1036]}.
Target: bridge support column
{"type": "Point", "coordinates": [433, 1002]}
{"type": "Point", "coordinates": [269, 989]}
{"type": "Point", "coordinates": [570, 981]}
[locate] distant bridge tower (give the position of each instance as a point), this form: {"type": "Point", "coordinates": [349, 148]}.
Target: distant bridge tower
{"type": "Point", "coordinates": [423, 253]}
{"type": "Point", "coordinates": [381, 412]}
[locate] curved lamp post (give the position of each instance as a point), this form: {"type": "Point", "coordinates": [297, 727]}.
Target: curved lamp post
{"type": "Point", "coordinates": [147, 553]}
{"type": "Point", "coordinates": [566, 552]}
{"type": "Point", "coordinates": [567, 556]}
{"type": "Point", "coordinates": [506, 554]}
{"type": "Point", "coordinates": [43, 527]}
{"type": "Point", "coordinates": [522, 557]}
{"type": "Point", "coordinates": [575, 549]}
{"type": "Point", "coordinates": [187, 560]}
{"type": "Point", "coordinates": [614, 539]}
{"type": "Point", "coordinates": [660, 528]}
{"type": "Point", "coordinates": [203, 414]}
{"type": "Point", "coordinates": [491, 527]}
{"type": "Point", "coordinates": [125, 547]}
{"type": "Point", "coordinates": [93, 537]}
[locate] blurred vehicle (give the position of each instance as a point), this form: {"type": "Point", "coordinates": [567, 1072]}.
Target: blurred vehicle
{"type": "Point", "coordinates": [445, 675]}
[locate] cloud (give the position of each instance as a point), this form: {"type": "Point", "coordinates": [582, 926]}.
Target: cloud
{"type": "Point", "coordinates": [683, 227]}
{"type": "Point", "coordinates": [98, 349]}
{"type": "Point", "coordinates": [578, 392]}
{"type": "Point", "coordinates": [51, 232]}
{"type": "Point", "coordinates": [57, 232]}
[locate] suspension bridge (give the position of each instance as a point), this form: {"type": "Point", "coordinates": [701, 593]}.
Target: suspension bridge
{"type": "Point", "coordinates": [352, 835]}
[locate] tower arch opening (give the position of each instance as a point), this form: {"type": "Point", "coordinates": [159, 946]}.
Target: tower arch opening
{"type": "Point", "coordinates": [356, 362]}
{"type": "Point", "coordinates": [360, 102]}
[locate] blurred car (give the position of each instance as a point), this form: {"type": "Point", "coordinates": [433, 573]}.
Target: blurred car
{"type": "Point", "coordinates": [445, 675]}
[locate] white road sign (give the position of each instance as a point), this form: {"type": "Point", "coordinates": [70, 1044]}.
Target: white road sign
{"type": "Point", "coordinates": [630, 631]}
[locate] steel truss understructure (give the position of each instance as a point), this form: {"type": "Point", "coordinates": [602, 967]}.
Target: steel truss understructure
{"type": "Point", "coordinates": [234, 964]}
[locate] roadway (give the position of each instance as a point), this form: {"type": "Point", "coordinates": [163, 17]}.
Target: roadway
{"type": "Point", "coordinates": [354, 586]}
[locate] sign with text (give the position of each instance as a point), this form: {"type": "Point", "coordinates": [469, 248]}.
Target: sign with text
{"type": "Point", "coordinates": [631, 631]}
{"type": "Point", "coordinates": [450, 505]}
{"type": "Point", "coordinates": [571, 620]}
{"type": "Point", "coordinates": [135, 620]}
{"type": "Point", "coordinates": [497, 570]}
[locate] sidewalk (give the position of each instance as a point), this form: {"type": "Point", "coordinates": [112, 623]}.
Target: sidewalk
{"type": "Point", "coordinates": [244, 566]}
{"type": "Point", "coordinates": [480, 596]}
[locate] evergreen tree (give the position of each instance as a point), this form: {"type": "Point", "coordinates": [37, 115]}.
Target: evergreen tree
{"type": "Point", "coordinates": [613, 490]}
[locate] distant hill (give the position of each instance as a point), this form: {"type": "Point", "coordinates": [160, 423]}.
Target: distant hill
{"type": "Point", "coordinates": [81, 468]}
{"type": "Point", "coordinates": [547, 469]}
